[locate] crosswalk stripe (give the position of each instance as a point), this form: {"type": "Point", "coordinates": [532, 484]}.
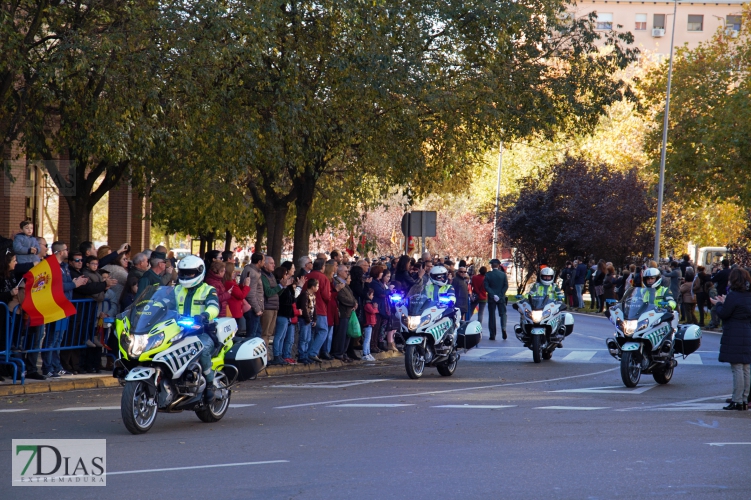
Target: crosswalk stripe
{"type": "Point", "coordinates": [579, 356]}
{"type": "Point", "coordinates": [476, 353]}
{"type": "Point", "coordinates": [374, 405]}
{"type": "Point", "coordinates": [240, 405]}
{"type": "Point", "coordinates": [527, 354]}
{"type": "Point", "coordinates": [572, 408]}
{"type": "Point", "coordinates": [13, 411]}
{"type": "Point", "coordinates": [488, 407]}
{"type": "Point", "coordinates": [692, 359]}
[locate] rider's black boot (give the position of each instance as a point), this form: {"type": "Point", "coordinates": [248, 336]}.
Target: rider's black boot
{"type": "Point", "coordinates": [209, 395]}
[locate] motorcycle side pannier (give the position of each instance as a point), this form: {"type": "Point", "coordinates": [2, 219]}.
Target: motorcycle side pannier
{"type": "Point", "coordinates": [249, 356]}
{"type": "Point", "coordinates": [468, 335]}
{"type": "Point", "coordinates": [687, 339]}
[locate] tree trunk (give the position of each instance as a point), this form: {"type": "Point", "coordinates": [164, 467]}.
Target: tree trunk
{"type": "Point", "coordinates": [275, 218]}
{"type": "Point", "coordinates": [80, 221]}
{"type": "Point", "coordinates": [303, 204]}
{"type": "Point", "coordinates": [202, 246]}
{"type": "Point", "coordinates": [260, 231]}
{"type": "Point", "coordinates": [227, 240]}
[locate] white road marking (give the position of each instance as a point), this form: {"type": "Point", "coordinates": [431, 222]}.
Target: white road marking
{"type": "Point", "coordinates": [692, 359]}
{"type": "Point", "coordinates": [724, 444]}
{"type": "Point", "coordinates": [571, 408]}
{"type": "Point", "coordinates": [13, 411]}
{"type": "Point", "coordinates": [526, 354]}
{"type": "Point", "coordinates": [476, 353]}
{"type": "Point", "coordinates": [365, 405]}
{"type": "Point", "coordinates": [680, 403]}
{"type": "Point", "coordinates": [240, 405]}
{"type": "Point", "coordinates": [87, 408]}
{"type": "Point", "coordinates": [579, 356]}
{"type": "Point", "coordinates": [328, 385]}
{"type": "Point", "coordinates": [693, 407]}
{"type": "Point", "coordinates": [446, 391]}
{"type": "Point", "coordinates": [488, 407]}
{"type": "Point", "coordinates": [613, 389]}
{"type": "Point", "coordinates": [196, 467]}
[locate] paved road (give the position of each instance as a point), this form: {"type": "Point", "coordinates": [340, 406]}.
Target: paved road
{"type": "Point", "coordinates": [501, 427]}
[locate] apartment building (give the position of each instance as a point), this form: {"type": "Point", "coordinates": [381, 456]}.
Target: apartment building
{"type": "Point", "coordinates": [651, 23]}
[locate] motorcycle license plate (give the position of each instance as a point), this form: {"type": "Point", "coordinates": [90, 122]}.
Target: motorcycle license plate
{"type": "Point", "coordinates": [538, 331]}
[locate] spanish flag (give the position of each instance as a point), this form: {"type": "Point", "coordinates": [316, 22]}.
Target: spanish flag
{"type": "Point", "coordinates": [45, 301]}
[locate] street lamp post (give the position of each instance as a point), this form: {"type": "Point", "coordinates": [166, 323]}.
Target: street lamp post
{"type": "Point", "coordinates": [661, 187]}
{"type": "Point", "coordinates": [497, 196]}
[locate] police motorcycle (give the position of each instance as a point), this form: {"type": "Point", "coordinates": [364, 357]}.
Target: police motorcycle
{"type": "Point", "coordinates": [433, 331]}
{"type": "Point", "coordinates": [647, 336]}
{"type": "Point", "coordinates": [159, 366]}
{"type": "Point", "coordinates": [543, 324]}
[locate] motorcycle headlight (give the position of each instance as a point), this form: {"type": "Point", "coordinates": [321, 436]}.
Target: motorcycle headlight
{"type": "Point", "coordinates": [413, 322]}
{"type": "Point", "coordinates": [536, 316]}
{"type": "Point", "coordinates": [643, 325]}
{"type": "Point", "coordinates": [143, 343]}
{"type": "Point", "coordinates": [629, 326]}
{"type": "Point", "coordinates": [425, 320]}
{"type": "Point", "coordinates": [546, 314]}
{"type": "Point", "coordinates": [527, 313]}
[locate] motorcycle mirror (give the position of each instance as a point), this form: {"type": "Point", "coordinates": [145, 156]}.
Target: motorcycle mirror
{"type": "Point", "coordinates": [515, 306]}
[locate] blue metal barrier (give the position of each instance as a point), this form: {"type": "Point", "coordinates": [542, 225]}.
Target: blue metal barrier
{"type": "Point", "coordinates": [22, 339]}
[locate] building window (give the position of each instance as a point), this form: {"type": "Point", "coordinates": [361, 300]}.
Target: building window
{"type": "Point", "coordinates": [658, 22]}
{"type": "Point", "coordinates": [604, 21]}
{"type": "Point", "coordinates": [641, 22]}
{"type": "Point", "coordinates": [695, 23]}
{"type": "Point", "coordinates": [733, 23]}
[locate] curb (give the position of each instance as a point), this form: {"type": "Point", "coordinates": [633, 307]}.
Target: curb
{"type": "Point", "coordinates": [106, 381]}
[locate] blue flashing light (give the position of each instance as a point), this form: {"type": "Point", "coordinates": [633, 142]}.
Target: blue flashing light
{"type": "Point", "coordinates": [186, 322]}
{"type": "Point", "coordinates": [446, 299]}
{"type": "Point", "coordinates": [395, 298]}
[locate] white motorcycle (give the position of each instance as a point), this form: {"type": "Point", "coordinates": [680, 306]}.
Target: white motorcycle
{"type": "Point", "coordinates": [647, 337]}
{"type": "Point", "coordinates": [433, 332]}
{"type": "Point", "coordinates": [543, 325]}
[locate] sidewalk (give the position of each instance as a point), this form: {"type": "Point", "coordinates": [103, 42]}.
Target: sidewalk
{"type": "Point", "coordinates": [77, 382]}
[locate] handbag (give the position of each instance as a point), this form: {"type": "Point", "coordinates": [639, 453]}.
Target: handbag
{"type": "Point", "coordinates": [600, 290]}
{"type": "Point", "coordinates": [353, 328]}
{"type": "Point", "coordinates": [245, 306]}
{"type": "Point", "coordinates": [295, 313]}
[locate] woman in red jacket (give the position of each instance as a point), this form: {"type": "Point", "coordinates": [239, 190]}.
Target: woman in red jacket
{"type": "Point", "coordinates": [479, 297]}
{"type": "Point", "coordinates": [215, 278]}
{"type": "Point", "coordinates": [236, 302]}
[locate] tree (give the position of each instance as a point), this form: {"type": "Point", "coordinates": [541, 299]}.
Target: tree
{"type": "Point", "coordinates": [409, 93]}
{"type": "Point", "coordinates": [709, 139]}
{"type": "Point", "coordinates": [578, 208]}
{"type": "Point", "coordinates": [99, 108]}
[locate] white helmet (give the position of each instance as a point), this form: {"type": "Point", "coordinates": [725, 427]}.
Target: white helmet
{"type": "Point", "coordinates": [652, 273]}
{"type": "Point", "coordinates": [190, 271]}
{"type": "Point", "coordinates": [439, 275]}
{"type": "Point", "coordinates": [546, 276]}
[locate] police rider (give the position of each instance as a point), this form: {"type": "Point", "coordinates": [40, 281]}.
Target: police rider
{"type": "Point", "coordinates": [438, 287]}
{"type": "Point", "coordinates": [198, 299]}
{"type": "Point", "coordinates": [655, 293]}
{"type": "Point", "coordinates": [546, 287]}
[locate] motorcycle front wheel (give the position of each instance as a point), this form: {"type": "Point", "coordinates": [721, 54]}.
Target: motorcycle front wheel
{"type": "Point", "coordinates": [630, 369]}
{"type": "Point", "coordinates": [216, 410]}
{"type": "Point", "coordinates": [448, 368]}
{"type": "Point", "coordinates": [537, 348]}
{"type": "Point", "coordinates": [138, 414]}
{"type": "Point", "coordinates": [663, 376]}
{"type": "Point", "coordinates": [413, 362]}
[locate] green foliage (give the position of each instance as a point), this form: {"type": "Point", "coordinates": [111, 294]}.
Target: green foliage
{"type": "Point", "coordinates": [709, 139]}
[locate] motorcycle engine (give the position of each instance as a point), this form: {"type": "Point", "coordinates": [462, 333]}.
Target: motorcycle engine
{"type": "Point", "coordinates": [191, 381]}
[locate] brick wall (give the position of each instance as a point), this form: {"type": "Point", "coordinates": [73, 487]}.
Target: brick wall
{"type": "Point", "coordinates": [12, 194]}
{"type": "Point", "coordinates": [119, 216]}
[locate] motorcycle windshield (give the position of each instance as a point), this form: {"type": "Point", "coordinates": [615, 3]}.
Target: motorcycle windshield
{"type": "Point", "coordinates": [417, 300]}
{"type": "Point", "coordinates": [636, 302]}
{"type": "Point", "coordinates": [152, 306]}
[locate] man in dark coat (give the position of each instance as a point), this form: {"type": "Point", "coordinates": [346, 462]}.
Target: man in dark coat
{"type": "Point", "coordinates": [153, 276]}
{"type": "Point", "coordinates": [462, 292]}
{"type": "Point", "coordinates": [496, 284]}
{"type": "Point", "coordinates": [720, 278]}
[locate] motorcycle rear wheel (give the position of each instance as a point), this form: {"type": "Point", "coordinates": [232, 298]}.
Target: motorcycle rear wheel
{"type": "Point", "coordinates": [216, 410]}
{"type": "Point", "coordinates": [663, 376]}
{"type": "Point", "coordinates": [630, 369]}
{"type": "Point", "coordinates": [138, 415]}
{"type": "Point", "coordinates": [537, 348]}
{"type": "Point", "coordinates": [413, 362]}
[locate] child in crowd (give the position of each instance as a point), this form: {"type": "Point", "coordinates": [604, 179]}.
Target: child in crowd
{"type": "Point", "coordinates": [306, 303]}
{"type": "Point", "coordinates": [371, 310]}
{"type": "Point", "coordinates": [129, 292]}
